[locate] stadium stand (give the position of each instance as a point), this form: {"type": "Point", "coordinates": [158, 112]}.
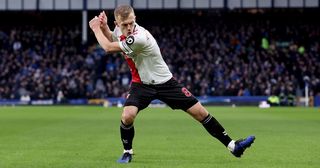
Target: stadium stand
{"type": "Point", "coordinates": [214, 53]}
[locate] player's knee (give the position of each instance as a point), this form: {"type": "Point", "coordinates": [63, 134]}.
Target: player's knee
{"type": "Point", "coordinates": [198, 112]}
{"type": "Point", "coordinates": [128, 116]}
{"type": "Point", "coordinates": [203, 113]}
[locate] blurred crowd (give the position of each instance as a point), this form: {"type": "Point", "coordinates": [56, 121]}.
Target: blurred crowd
{"type": "Point", "coordinates": [210, 53]}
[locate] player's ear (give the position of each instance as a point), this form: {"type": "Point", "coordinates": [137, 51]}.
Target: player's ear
{"type": "Point", "coordinates": [115, 23]}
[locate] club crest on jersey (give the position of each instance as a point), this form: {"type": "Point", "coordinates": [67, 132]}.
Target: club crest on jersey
{"type": "Point", "coordinates": [130, 40]}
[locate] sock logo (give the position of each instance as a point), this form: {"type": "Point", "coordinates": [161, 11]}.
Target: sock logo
{"type": "Point", "coordinates": [225, 133]}
{"type": "Point", "coordinates": [124, 141]}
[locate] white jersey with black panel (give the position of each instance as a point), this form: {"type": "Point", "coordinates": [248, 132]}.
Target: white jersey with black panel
{"type": "Point", "coordinates": [143, 50]}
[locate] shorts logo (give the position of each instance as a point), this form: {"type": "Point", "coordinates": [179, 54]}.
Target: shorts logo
{"type": "Point", "coordinates": [130, 40]}
{"type": "Point", "coordinates": [128, 96]}
{"type": "Point", "coordinates": [186, 92]}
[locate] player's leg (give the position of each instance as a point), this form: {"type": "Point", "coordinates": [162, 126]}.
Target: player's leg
{"type": "Point", "coordinates": [237, 148]}
{"type": "Point", "coordinates": [126, 128]}
{"type": "Point", "coordinates": [139, 97]}
{"type": "Point", "coordinates": [178, 97]}
{"type": "Point", "coordinates": [127, 132]}
{"type": "Point", "coordinates": [199, 113]}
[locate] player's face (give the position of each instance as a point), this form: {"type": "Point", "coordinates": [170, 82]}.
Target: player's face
{"type": "Point", "coordinates": [126, 25]}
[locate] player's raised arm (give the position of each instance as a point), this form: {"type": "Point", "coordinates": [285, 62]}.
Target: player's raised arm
{"type": "Point", "coordinates": [105, 43]}
{"type": "Point", "coordinates": [104, 25]}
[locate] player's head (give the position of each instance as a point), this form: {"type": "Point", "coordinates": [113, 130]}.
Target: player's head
{"type": "Point", "coordinates": [125, 19]}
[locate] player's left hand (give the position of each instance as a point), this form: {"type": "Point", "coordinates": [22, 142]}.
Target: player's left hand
{"type": "Point", "coordinates": [103, 18]}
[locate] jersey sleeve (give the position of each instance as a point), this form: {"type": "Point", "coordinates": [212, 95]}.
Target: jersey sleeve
{"type": "Point", "coordinates": [114, 36]}
{"type": "Point", "coordinates": [133, 43]}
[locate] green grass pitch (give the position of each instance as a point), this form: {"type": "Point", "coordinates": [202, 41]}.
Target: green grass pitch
{"type": "Point", "coordinates": [88, 137]}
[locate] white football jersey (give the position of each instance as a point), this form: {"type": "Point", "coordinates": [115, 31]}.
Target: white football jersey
{"type": "Point", "coordinates": [143, 56]}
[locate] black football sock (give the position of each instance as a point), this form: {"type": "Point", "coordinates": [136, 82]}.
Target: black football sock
{"type": "Point", "coordinates": [216, 130]}
{"type": "Point", "coordinates": [127, 134]}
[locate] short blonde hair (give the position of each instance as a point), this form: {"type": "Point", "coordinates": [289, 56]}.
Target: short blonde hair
{"type": "Point", "coordinates": [123, 11]}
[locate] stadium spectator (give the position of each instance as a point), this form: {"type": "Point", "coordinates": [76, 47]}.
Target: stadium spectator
{"type": "Point", "coordinates": [228, 59]}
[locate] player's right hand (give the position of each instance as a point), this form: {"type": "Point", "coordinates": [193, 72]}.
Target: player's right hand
{"type": "Point", "coordinates": [94, 23]}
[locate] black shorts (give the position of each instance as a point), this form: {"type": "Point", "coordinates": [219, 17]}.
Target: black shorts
{"type": "Point", "coordinates": [172, 93]}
